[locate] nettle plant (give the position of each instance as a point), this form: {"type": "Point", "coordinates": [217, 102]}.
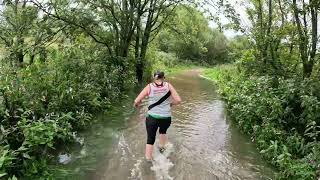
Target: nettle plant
{"type": "Point", "coordinates": [281, 115]}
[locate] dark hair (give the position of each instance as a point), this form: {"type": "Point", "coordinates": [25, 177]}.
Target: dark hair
{"type": "Point", "coordinates": [158, 74]}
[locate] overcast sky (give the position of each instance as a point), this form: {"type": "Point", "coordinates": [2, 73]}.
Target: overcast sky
{"type": "Point", "coordinates": [240, 9]}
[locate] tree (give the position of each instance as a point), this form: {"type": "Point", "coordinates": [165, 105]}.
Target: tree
{"type": "Point", "coordinates": [307, 45]}
{"type": "Point", "coordinates": [237, 45]}
{"type": "Point", "coordinates": [217, 50]}
{"type": "Point", "coordinates": [189, 31]}
{"type": "Point", "coordinates": [23, 32]}
{"type": "Point", "coordinates": [283, 30]}
{"type": "Point", "coordinates": [156, 16]}
{"type": "Point", "coordinates": [189, 36]}
{"type": "Point", "coordinates": [117, 24]}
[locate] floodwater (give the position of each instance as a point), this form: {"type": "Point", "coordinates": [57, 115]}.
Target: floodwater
{"type": "Point", "coordinates": [203, 143]}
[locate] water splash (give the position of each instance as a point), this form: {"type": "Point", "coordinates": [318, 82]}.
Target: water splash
{"type": "Point", "coordinates": [136, 172]}
{"type": "Point", "coordinates": [78, 139]}
{"type": "Point", "coordinates": [162, 164]}
{"type": "Point", "coordinates": [64, 158]}
{"type": "Point", "coordinates": [124, 148]}
{"type": "Point", "coordinates": [83, 152]}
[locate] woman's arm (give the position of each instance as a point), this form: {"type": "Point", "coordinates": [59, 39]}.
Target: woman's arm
{"type": "Point", "coordinates": [175, 96]}
{"type": "Point", "coordinates": [141, 96]}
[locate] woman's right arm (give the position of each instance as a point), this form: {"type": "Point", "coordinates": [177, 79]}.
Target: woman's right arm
{"type": "Point", "coordinates": [141, 96]}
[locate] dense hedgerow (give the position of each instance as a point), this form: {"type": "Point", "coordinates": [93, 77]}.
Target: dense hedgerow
{"type": "Point", "coordinates": [281, 116]}
{"type": "Point", "coordinates": [42, 104]}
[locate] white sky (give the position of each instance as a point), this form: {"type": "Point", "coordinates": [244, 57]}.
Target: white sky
{"type": "Point", "coordinates": [240, 8]}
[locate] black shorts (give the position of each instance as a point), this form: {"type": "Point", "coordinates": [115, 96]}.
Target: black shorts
{"type": "Point", "coordinates": [152, 125]}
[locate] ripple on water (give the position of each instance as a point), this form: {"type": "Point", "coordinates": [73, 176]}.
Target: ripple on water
{"type": "Point", "coordinates": [204, 145]}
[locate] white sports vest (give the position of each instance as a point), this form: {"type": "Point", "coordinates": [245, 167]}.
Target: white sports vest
{"type": "Point", "coordinates": [162, 110]}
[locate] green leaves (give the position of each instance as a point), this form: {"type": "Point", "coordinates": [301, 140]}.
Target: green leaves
{"type": "Point", "coordinates": [42, 104]}
{"type": "Point", "coordinates": [6, 158]}
{"type": "Point", "coordinates": [281, 115]}
{"type": "Point", "coordinates": [13, 178]}
{"type": "Point", "coordinates": [2, 174]}
{"type": "Point", "coordinates": [24, 34]}
{"type": "Point", "coordinates": [189, 36]}
{"type": "Point", "coordinates": [2, 158]}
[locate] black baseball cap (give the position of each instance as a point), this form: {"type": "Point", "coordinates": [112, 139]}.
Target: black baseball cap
{"type": "Point", "coordinates": [158, 74]}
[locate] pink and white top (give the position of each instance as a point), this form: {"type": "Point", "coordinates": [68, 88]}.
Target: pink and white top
{"type": "Point", "coordinates": [155, 93]}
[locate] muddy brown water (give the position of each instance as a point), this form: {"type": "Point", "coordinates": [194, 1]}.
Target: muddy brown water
{"type": "Point", "coordinates": [203, 143]}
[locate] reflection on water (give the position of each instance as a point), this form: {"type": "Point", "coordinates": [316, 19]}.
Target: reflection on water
{"type": "Point", "coordinates": [203, 145]}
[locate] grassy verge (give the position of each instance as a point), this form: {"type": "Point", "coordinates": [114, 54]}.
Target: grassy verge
{"type": "Point", "coordinates": [281, 116]}
{"type": "Point", "coordinates": [216, 73]}
{"type": "Point", "coordinates": [169, 63]}
{"type": "Point", "coordinates": [180, 68]}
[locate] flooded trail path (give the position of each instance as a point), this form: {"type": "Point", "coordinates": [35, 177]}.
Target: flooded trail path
{"type": "Point", "coordinates": [203, 143]}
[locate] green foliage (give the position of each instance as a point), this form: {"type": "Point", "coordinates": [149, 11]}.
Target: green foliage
{"type": "Point", "coordinates": [216, 49]}
{"type": "Point", "coordinates": [42, 104]}
{"type": "Point", "coordinates": [285, 40]}
{"type": "Point", "coordinates": [281, 115]}
{"type": "Point", "coordinates": [45, 131]}
{"type": "Point", "coordinates": [167, 62]}
{"type": "Point", "coordinates": [188, 22]}
{"type": "Point", "coordinates": [24, 34]}
{"type": "Point", "coordinates": [272, 91]}
{"type": "Point", "coordinates": [6, 160]}
{"type": "Point", "coordinates": [189, 36]}
{"type": "Point", "coordinates": [237, 46]}
{"type": "Point", "coordinates": [162, 60]}
{"type": "Point", "coordinates": [215, 72]}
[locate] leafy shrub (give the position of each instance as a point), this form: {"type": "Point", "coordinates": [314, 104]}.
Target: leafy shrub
{"type": "Point", "coordinates": [162, 60]}
{"type": "Point", "coordinates": [188, 36]}
{"type": "Point", "coordinates": [42, 104]}
{"type": "Point", "coordinates": [281, 115]}
{"type": "Point", "coordinates": [6, 160]}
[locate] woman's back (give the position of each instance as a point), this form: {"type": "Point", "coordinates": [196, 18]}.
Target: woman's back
{"type": "Point", "coordinates": [162, 110]}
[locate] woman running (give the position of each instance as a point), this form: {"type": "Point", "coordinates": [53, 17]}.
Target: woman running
{"type": "Point", "coordinates": [162, 96]}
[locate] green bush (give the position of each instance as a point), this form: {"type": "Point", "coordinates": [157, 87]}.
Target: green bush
{"type": "Point", "coordinates": [42, 104]}
{"type": "Point", "coordinates": [6, 160]}
{"type": "Point", "coordinates": [162, 60]}
{"type": "Point", "coordinates": [189, 36]}
{"type": "Point", "coordinates": [281, 115]}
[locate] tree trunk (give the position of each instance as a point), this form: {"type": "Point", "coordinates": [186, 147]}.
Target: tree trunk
{"type": "Point", "coordinates": [261, 36]}
{"type": "Point", "coordinates": [139, 66]}
{"type": "Point", "coordinates": [19, 52]}
{"type": "Point", "coordinates": [314, 40]}
{"type": "Point", "coordinates": [302, 41]}
{"type": "Point", "coordinates": [139, 70]}
{"type": "Point", "coordinates": [145, 41]}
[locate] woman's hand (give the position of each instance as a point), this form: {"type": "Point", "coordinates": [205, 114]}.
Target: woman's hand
{"type": "Point", "coordinates": [142, 95]}
{"type": "Point", "coordinates": [137, 104]}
